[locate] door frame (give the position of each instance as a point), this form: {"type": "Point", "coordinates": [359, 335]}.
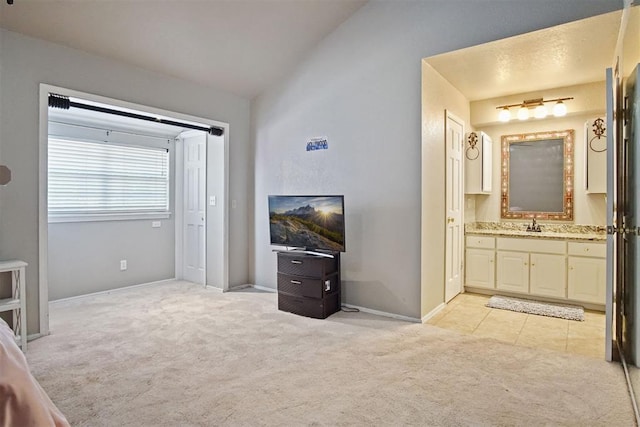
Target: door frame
{"type": "Point", "coordinates": [43, 224]}
{"type": "Point", "coordinates": [448, 115]}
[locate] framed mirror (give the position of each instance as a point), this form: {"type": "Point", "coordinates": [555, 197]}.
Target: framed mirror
{"type": "Point", "coordinates": [537, 175]}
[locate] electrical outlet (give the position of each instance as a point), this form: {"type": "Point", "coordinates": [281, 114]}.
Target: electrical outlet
{"type": "Point", "coordinates": [123, 264]}
{"type": "Point", "coordinates": [212, 200]}
{"type": "Point", "coordinates": [233, 204]}
{"type": "Point", "coordinates": [156, 224]}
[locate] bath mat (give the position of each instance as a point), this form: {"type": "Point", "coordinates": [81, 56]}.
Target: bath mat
{"type": "Point", "coordinates": [571, 312]}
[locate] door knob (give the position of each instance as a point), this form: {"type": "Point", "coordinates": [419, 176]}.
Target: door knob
{"type": "Point", "coordinates": [450, 220]}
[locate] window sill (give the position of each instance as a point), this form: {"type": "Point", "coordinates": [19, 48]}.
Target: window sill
{"type": "Point", "coordinates": [109, 217]}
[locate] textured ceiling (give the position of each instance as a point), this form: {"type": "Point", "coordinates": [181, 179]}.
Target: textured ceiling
{"type": "Point", "coordinates": [565, 55]}
{"type": "Point", "coordinates": [241, 46]}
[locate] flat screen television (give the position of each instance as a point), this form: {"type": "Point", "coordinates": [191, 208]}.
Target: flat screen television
{"type": "Point", "coordinates": [311, 223]}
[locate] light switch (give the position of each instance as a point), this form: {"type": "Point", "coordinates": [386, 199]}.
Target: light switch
{"type": "Point", "coordinates": [212, 200]}
{"type": "Point", "coordinates": [156, 224]}
{"type": "Point", "coordinates": [233, 204]}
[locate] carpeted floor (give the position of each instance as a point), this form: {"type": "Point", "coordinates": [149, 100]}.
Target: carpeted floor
{"type": "Point", "coordinates": [179, 355]}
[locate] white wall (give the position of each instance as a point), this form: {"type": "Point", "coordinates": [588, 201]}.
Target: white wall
{"type": "Point", "coordinates": [588, 103]}
{"type": "Point", "coordinates": [361, 88]}
{"type": "Point", "coordinates": [438, 95]}
{"type": "Point", "coordinates": [27, 62]}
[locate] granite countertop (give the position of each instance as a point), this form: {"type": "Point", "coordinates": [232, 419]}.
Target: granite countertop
{"type": "Point", "coordinates": [549, 231]}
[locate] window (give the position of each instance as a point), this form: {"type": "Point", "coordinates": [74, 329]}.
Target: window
{"type": "Point", "coordinates": [92, 181]}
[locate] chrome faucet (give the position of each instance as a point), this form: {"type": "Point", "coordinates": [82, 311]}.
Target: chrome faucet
{"type": "Point", "coordinates": [534, 226]}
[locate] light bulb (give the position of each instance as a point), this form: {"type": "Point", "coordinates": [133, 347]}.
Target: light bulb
{"type": "Point", "coordinates": [523, 113]}
{"type": "Point", "coordinates": [504, 115]}
{"type": "Point", "coordinates": [540, 112]}
{"type": "Point", "coordinates": [559, 109]}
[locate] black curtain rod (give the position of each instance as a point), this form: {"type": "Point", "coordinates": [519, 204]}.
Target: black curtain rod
{"type": "Point", "coordinates": [63, 102]}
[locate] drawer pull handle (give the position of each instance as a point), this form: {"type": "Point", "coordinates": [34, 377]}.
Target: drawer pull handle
{"type": "Point", "coordinates": [295, 261]}
{"type": "Point", "coordinates": [296, 282]}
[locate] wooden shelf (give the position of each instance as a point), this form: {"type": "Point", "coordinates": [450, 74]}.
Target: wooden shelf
{"type": "Point", "coordinates": [18, 301]}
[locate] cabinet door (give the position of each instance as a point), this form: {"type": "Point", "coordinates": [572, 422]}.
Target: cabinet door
{"type": "Point", "coordinates": [548, 275]}
{"type": "Point", "coordinates": [480, 268]}
{"type": "Point", "coordinates": [513, 271]}
{"type": "Point", "coordinates": [587, 279]}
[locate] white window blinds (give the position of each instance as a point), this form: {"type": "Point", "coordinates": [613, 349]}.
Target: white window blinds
{"type": "Point", "coordinates": [93, 179]}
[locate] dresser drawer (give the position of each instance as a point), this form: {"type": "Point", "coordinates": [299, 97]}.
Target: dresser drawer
{"type": "Point", "coordinates": [310, 307]}
{"type": "Point", "coordinates": [481, 242]}
{"type": "Point", "coordinates": [596, 250]}
{"type": "Point", "coordinates": [305, 265]}
{"type": "Point", "coordinates": [306, 287]}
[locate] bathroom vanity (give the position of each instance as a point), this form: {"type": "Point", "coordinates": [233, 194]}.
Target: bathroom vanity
{"type": "Point", "coordinates": [558, 266]}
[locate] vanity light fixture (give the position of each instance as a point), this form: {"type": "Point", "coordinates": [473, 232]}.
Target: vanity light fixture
{"type": "Point", "coordinates": [540, 110]}
{"type": "Point", "coordinates": [560, 109]}
{"type": "Point", "coordinates": [504, 115]}
{"type": "Point", "coordinates": [523, 113]}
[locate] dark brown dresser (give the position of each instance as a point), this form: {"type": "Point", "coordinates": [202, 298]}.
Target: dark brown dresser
{"type": "Point", "coordinates": [308, 285]}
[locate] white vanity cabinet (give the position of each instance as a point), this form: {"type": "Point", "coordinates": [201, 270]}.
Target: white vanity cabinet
{"type": "Point", "coordinates": [480, 258]}
{"type": "Point", "coordinates": [587, 269]}
{"type": "Point", "coordinates": [478, 163]}
{"type": "Point", "coordinates": [533, 266]}
{"type": "Point", "coordinates": [537, 267]}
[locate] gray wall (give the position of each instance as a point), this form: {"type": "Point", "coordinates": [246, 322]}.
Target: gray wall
{"type": "Point", "coordinates": [84, 257]}
{"type": "Point", "coordinates": [27, 62]}
{"type": "Point", "coordinates": [361, 88]}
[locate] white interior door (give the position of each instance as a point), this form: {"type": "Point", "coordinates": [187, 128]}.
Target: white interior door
{"type": "Point", "coordinates": [194, 208]}
{"type": "Point", "coordinates": [454, 133]}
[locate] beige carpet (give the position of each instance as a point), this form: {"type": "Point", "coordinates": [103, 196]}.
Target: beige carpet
{"type": "Point", "coordinates": [179, 355]}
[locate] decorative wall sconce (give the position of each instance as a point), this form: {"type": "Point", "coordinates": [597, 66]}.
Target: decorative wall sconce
{"type": "Point", "coordinates": [5, 175]}
{"type": "Point", "coordinates": [472, 152]}
{"type": "Point", "coordinates": [539, 109]}
{"type": "Point", "coordinates": [598, 132]}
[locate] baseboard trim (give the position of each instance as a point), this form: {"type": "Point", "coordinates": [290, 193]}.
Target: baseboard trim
{"type": "Point", "coordinates": [239, 287]}
{"type": "Point", "coordinates": [110, 291]}
{"type": "Point", "coordinates": [214, 288]}
{"type": "Point", "coordinates": [383, 313]}
{"type": "Point", "coordinates": [31, 337]}
{"type": "Point", "coordinates": [264, 288]}
{"type": "Point", "coordinates": [362, 309]}
{"type": "Point", "coordinates": [433, 312]}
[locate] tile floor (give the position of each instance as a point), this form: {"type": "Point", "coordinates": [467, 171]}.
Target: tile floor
{"type": "Point", "coordinates": [467, 314]}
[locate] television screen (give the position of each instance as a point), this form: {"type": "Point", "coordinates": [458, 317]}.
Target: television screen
{"type": "Point", "coordinates": [308, 222]}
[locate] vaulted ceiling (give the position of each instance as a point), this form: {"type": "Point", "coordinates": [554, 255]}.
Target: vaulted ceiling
{"type": "Point", "coordinates": [244, 46]}
{"type": "Point", "coordinates": [241, 46]}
